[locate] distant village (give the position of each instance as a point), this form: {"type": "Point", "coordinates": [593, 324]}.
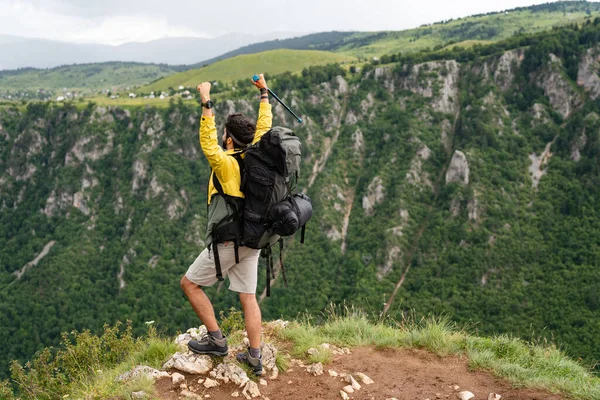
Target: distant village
{"type": "Point", "coordinates": [66, 94]}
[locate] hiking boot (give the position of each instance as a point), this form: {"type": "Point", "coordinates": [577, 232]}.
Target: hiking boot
{"type": "Point", "coordinates": [253, 362]}
{"type": "Point", "coordinates": [209, 345]}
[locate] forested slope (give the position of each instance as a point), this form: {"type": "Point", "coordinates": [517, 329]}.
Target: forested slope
{"type": "Point", "coordinates": [463, 183]}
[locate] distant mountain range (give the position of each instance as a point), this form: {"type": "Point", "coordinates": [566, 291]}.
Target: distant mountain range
{"type": "Point", "coordinates": [19, 52]}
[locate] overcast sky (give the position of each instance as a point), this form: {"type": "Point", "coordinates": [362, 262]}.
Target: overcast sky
{"type": "Point", "coordinates": [120, 21]}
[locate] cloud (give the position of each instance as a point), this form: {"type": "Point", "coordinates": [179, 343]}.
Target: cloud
{"type": "Point", "coordinates": [117, 21]}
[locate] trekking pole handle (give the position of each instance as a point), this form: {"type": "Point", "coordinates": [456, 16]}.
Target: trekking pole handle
{"type": "Point", "coordinates": [255, 78]}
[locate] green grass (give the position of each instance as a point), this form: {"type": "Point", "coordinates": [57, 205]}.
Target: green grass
{"type": "Point", "coordinates": [86, 366]}
{"type": "Point", "coordinates": [244, 66]}
{"type": "Point", "coordinates": [486, 28]}
{"type": "Point", "coordinates": [87, 78]}
{"type": "Point", "coordinates": [521, 363]}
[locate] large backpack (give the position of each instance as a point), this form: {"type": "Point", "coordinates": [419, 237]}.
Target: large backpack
{"type": "Point", "coordinates": [271, 210]}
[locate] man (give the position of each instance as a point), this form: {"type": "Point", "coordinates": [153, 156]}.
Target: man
{"type": "Point", "coordinates": [239, 132]}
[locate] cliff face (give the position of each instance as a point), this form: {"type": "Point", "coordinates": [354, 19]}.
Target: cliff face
{"type": "Point", "coordinates": [433, 191]}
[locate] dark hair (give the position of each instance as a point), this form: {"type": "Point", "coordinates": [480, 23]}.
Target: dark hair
{"type": "Point", "coordinates": [241, 128]}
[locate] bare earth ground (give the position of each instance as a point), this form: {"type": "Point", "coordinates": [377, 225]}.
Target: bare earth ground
{"type": "Point", "coordinates": [404, 374]}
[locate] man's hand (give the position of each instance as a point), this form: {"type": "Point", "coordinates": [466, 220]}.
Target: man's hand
{"type": "Point", "coordinates": [261, 83]}
{"type": "Point", "coordinates": [204, 89]}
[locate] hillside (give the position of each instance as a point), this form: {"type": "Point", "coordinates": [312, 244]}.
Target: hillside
{"type": "Point", "coordinates": [86, 79]}
{"type": "Point", "coordinates": [479, 29]}
{"type": "Point", "coordinates": [245, 66]}
{"type": "Point", "coordinates": [463, 183]}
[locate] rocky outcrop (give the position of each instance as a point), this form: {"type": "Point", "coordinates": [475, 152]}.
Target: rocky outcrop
{"type": "Point", "coordinates": [538, 167]}
{"type": "Point", "coordinates": [437, 80]}
{"type": "Point", "coordinates": [557, 87]}
{"type": "Point", "coordinates": [416, 176]}
{"type": "Point", "coordinates": [90, 148]}
{"type": "Point", "coordinates": [375, 195]}
{"type": "Point", "coordinates": [190, 363]}
{"type": "Point", "coordinates": [25, 148]}
{"type": "Point", "coordinates": [458, 171]}
{"type": "Point", "coordinates": [587, 75]}
{"type": "Point", "coordinates": [506, 67]}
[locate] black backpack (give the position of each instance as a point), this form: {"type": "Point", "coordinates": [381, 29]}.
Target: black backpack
{"type": "Point", "coordinates": [271, 210]}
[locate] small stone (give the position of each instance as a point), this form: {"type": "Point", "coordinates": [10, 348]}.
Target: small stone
{"type": "Point", "coordinates": [163, 374]}
{"type": "Point", "coordinates": [200, 381]}
{"type": "Point", "coordinates": [348, 389]}
{"type": "Point", "coordinates": [466, 395]}
{"type": "Point", "coordinates": [364, 378]}
{"type": "Point", "coordinates": [289, 382]}
{"type": "Point", "coordinates": [315, 369]}
{"type": "Point", "coordinates": [391, 398]}
{"type": "Point", "coordinates": [177, 378]}
{"type": "Point", "coordinates": [139, 395]}
{"type": "Point", "coordinates": [494, 396]}
{"type": "Point", "coordinates": [207, 396]}
{"type": "Point", "coordinates": [189, 395]}
{"type": "Point", "coordinates": [209, 383]}
{"type": "Point", "coordinates": [251, 390]}
{"type": "Point", "coordinates": [344, 395]}
{"type": "Point", "coordinates": [455, 387]}
{"type": "Point", "coordinates": [235, 394]}
{"type": "Point", "coordinates": [183, 386]}
{"type": "Point", "coordinates": [325, 346]}
{"type": "Point", "coordinates": [350, 379]}
{"type": "Point", "coordinates": [312, 351]}
{"type": "Point", "coordinates": [263, 382]}
{"type": "Point", "coordinates": [275, 373]}
{"type": "Point", "coordinates": [190, 363]}
{"type": "Point", "coordinates": [332, 373]}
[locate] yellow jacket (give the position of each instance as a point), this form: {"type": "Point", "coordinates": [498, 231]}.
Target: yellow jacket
{"type": "Point", "coordinates": [222, 164]}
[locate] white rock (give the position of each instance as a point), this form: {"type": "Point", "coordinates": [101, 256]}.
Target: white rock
{"type": "Point", "coordinates": [325, 346]}
{"type": "Point", "coordinates": [348, 389]}
{"type": "Point", "coordinates": [200, 381]}
{"type": "Point", "coordinates": [189, 395]}
{"type": "Point", "coordinates": [275, 373]}
{"type": "Point", "coordinates": [332, 373]}
{"type": "Point", "coordinates": [251, 390]}
{"type": "Point", "coordinates": [177, 378]}
{"type": "Point", "coordinates": [235, 394]}
{"type": "Point", "coordinates": [209, 383]}
{"type": "Point", "coordinates": [207, 396]}
{"type": "Point", "coordinates": [344, 395]}
{"type": "Point", "coordinates": [230, 372]}
{"type": "Point", "coordinates": [139, 395]}
{"type": "Point", "coordinates": [355, 385]}
{"type": "Point", "coordinates": [190, 363]}
{"type": "Point", "coordinates": [458, 171]}
{"type": "Point", "coordinates": [494, 396]}
{"type": "Point", "coordinates": [315, 369]}
{"type": "Point", "coordinates": [262, 382]}
{"type": "Point", "coordinates": [465, 395]}
{"type": "Point", "coordinates": [312, 351]}
{"type": "Point", "coordinates": [455, 387]}
{"type": "Point", "coordinates": [268, 353]}
{"type": "Point", "coordinates": [139, 371]}
{"type": "Point", "coordinates": [364, 378]}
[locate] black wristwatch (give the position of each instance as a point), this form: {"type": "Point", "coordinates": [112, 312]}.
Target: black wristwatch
{"type": "Point", "coordinates": [209, 104]}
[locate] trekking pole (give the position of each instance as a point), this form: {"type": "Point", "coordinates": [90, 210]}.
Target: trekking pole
{"type": "Point", "coordinates": [255, 78]}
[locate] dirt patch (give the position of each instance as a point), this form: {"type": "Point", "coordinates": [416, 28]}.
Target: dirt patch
{"type": "Point", "coordinates": [403, 374]}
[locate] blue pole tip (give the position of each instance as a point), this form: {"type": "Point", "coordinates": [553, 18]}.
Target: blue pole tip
{"type": "Point", "coordinates": [300, 120]}
{"type": "Point", "coordinates": [255, 78]}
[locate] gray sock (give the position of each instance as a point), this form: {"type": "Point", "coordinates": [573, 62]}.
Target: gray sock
{"type": "Point", "coordinates": [254, 352]}
{"type": "Point", "coordinates": [216, 334]}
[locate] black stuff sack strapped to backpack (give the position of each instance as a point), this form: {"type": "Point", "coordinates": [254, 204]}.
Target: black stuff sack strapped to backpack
{"type": "Point", "coordinates": [270, 210]}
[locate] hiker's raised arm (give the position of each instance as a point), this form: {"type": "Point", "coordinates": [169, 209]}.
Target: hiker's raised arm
{"type": "Point", "coordinates": [265, 116]}
{"type": "Point", "coordinates": [208, 130]}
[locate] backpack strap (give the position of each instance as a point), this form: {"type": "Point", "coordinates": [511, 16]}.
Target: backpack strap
{"type": "Point", "coordinates": [281, 262]}
{"type": "Point", "coordinates": [229, 200]}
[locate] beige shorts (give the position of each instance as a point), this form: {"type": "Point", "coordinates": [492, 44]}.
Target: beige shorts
{"type": "Point", "coordinates": [242, 276]}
